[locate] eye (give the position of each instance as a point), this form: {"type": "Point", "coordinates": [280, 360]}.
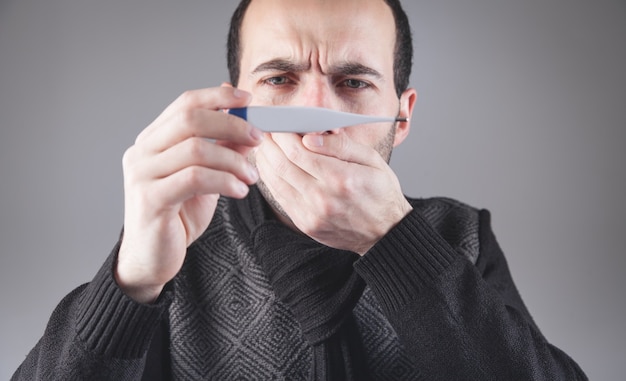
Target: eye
{"type": "Point", "coordinates": [355, 84]}
{"type": "Point", "coordinates": [277, 81]}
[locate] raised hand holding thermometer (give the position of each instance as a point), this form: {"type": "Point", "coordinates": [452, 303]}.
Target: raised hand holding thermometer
{"type": "Point", "coordinates": [304, 119]}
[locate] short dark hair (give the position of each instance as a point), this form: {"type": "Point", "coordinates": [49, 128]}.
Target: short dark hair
{"type": "Point", "coordinates": [403, 50]}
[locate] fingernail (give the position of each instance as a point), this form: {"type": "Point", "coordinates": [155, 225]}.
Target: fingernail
{"type": "Point", "coordinates": [253, 173]}
{"type": "Point", "coordinates": [256, 133]}
{"type": "Point", "coordinates": [243, 189]}
{"type": "Point", "coordinates": [315, 140]}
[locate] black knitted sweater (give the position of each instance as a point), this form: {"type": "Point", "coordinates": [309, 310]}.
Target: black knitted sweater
{"type": "Point", "coordinates": [432, 300]}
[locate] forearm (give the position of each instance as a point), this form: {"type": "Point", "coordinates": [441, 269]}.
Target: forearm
{"type": "Point", "coordinates": [458, 320]}
{"type": "Point", "coordinates": [96, 332]}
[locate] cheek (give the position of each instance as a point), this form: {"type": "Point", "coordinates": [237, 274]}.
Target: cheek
{"type": "Point", "coordinates": [367, 134]}
{"type": "Point", "coordinates": [265, 98]}
{"type": "Point", "coordinates": [367, 102]}
{"type": "Point", "coordinates": [381, 103]}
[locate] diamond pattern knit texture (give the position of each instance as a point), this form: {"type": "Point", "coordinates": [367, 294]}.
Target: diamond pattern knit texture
{"type": "Point", "coordinates": [227, 324]}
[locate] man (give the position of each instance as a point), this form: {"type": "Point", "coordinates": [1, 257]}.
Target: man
{"type": "Point", "coordinates": [323, 269]}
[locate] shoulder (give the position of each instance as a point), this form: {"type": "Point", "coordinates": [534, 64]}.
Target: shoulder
{"type": "Point", "coordinates": [458, 223]}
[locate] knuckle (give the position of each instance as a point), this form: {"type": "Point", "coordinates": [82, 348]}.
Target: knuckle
{"type": "Point", "coordinates": [293, 153]}
{"type": "Point", "coordinates": [187, 97]}
{"type": "Point", "coordinates": [192, 176]}
{"type": "Point", "coordinates": [141, 136]}
{"type": "Point", "coordinates": [128, 158]}
{"type": "Point", "coordinates": [326, 206]}
{"type": "Point", "coordinates": [187, 119]}
{"type": "Point", "coordinates": [315, 226]}
{"type": "Point", "coordinates": [195, 147]}
{"type": "Point", "coordinates": [331, 208]}
{"type": "Point", "coordinates": [348, 187]}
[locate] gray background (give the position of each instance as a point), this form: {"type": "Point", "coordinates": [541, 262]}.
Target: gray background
{"type": "Point", "coordinates": [522, 110]}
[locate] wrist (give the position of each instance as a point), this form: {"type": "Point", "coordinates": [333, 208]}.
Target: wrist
{"type": "Point", "coordinates": [403, 211]}
{"type": "Point", "coordinates": [142, 293]}
{"type": "Point", "coordinates": [133, 281]}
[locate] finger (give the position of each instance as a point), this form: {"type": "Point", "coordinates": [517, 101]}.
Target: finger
{"type": "Point", "coordinates": [196, 181]}
{"type": "Point", "coordinates": [340, 146]}
{"type": "Point", "coordinates": [322, 167]}
{"type": "Point", "coordinates": [209, 124]}
{"type": "Point", "coordinates": [210, 98]}
{"type": "Point", "coordinates": [240, 149]}
{"type": "Point", "coordinates": [273, 180]}
{"type": "Point", "coordinates": [199, 152]}
{"type": "Point", "coordinates": [283, 162]}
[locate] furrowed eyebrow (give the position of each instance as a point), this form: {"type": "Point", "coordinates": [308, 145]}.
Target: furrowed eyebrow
{"type": "Point", "coordinates": [345, 69]}
{"type": "Point", "coordinates": [282, 66]}
{"type": "Point", "coordinates": [354, 68]}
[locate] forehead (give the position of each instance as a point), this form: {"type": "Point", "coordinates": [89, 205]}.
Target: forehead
{"type": "Point", "coordinates": [331, 30]}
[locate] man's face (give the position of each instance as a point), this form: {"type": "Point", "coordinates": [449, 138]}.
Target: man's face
{"type": "Point", "coordinates": [326, 53]}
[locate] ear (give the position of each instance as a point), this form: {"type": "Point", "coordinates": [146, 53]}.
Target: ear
{"type": "Point", "coordinates": [407, 102]}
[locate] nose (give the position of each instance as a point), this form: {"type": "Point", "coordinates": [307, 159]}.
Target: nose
{"type": "Point", "coordinates": [316, 92]}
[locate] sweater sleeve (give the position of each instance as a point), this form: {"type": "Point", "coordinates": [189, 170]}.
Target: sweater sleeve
{"type": "Point", "coordinates": [456, 319]}
{"type": "Point", "coordinates": [95, 333]}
